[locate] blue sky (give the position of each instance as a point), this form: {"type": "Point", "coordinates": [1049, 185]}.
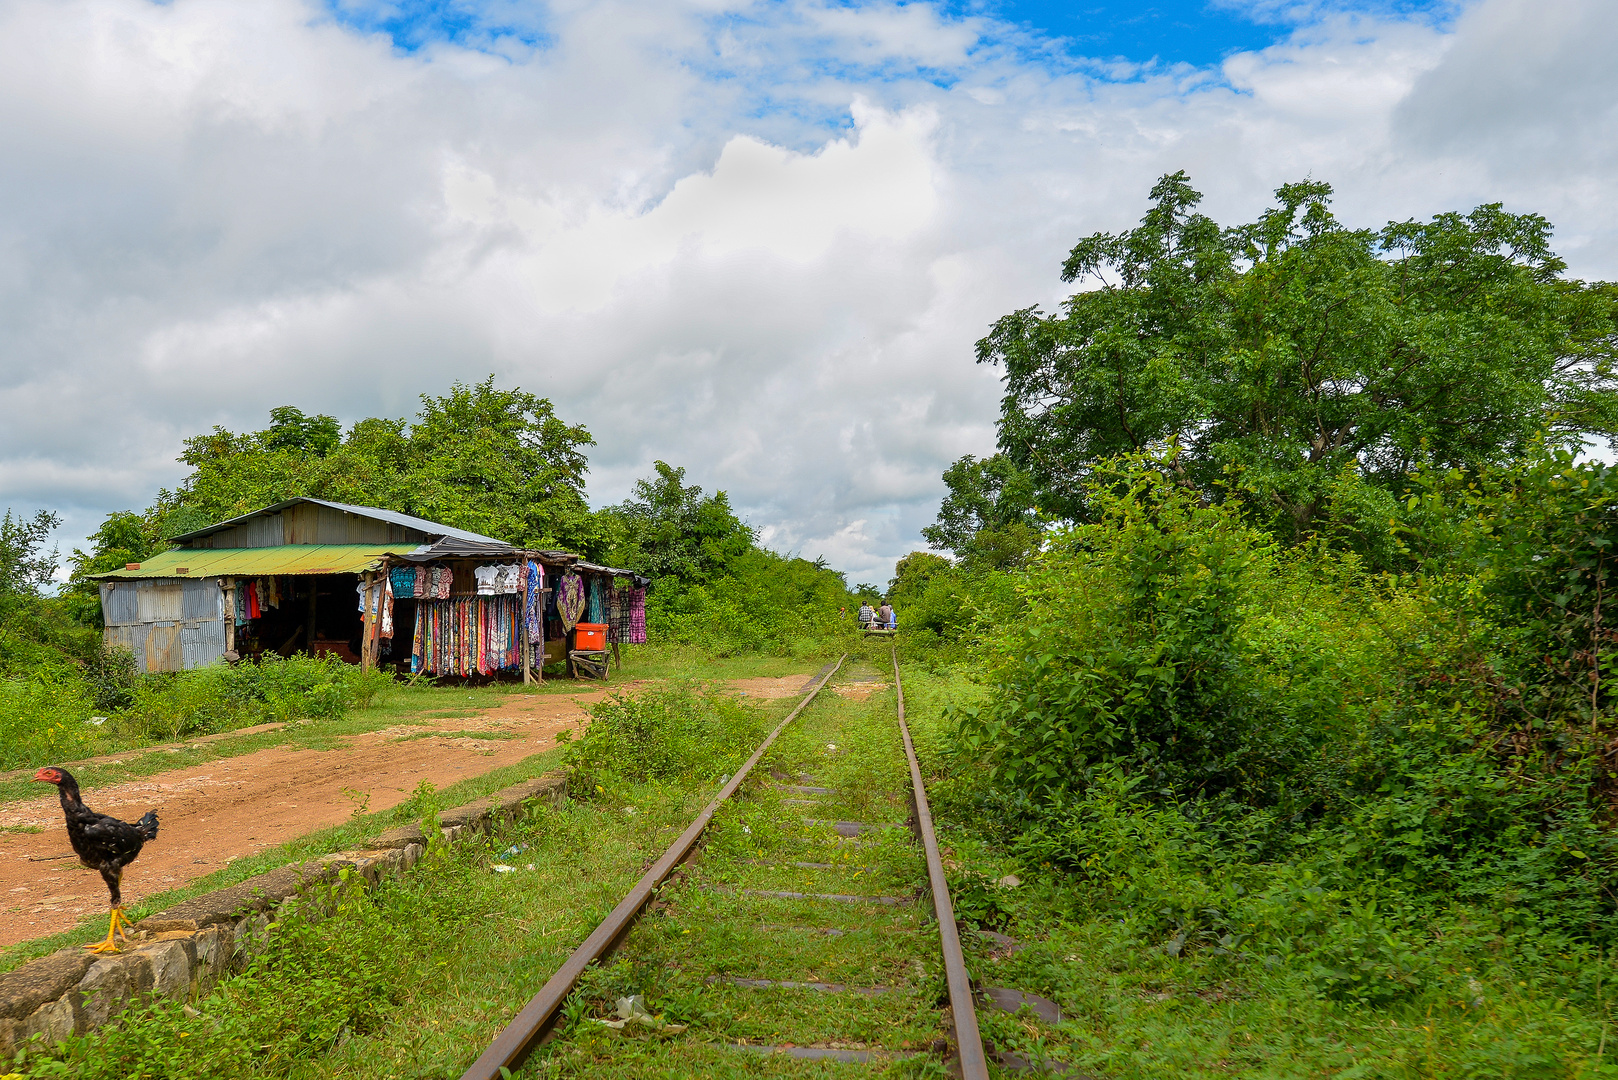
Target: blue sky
{"type": "Point", "coordinates": [1185, 31]}
{"type": "Point", "coordinates": [1195, 32]}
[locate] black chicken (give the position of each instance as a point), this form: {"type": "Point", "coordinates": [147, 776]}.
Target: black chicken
{"type": "Point", "coordinates": [103, 843]}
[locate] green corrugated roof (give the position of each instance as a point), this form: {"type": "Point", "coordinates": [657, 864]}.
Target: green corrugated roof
{"type": "Point", "coordinates": [259, 562]}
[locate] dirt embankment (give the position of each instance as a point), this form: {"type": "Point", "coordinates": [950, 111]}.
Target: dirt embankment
{"type": "Point", "coordinates": [225, 809]}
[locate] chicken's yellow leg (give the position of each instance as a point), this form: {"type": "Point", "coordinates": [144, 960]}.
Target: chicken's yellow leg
{"type": "Point", "coordinates": [113, 928]}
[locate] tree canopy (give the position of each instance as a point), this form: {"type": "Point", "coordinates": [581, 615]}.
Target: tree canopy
{"type": "Point", "coordinates": [497, 462]}
{"type": "Point", "coordinates": [1281, 352]}
{"type": "Point", "coordinates": [987, 519]}
{"type": "Point", "coordinates": [671, 529]}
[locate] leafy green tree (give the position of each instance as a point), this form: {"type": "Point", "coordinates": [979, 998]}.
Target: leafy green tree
{"type": "Point", "coordinates": [912, 574]}
{"type": "Point", "coordinates": [34, 636]}
{"type": "Point", "coordinates": [291, 430]}
{"type": "Point", "coordinates": [988, 518]}
{"type": "Point", "coordinates": [124, 537]}
{"type": "Point", "coordinates": [669, 529]}
{"type": "Point", "coordinates": [498, 462]}
{"type": "Point", "coordinates": [25, 566]}
{"type": "Point", "coordinates": [1288, 350]}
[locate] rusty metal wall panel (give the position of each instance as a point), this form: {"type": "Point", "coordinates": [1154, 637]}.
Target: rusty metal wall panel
{"type": "Point", "coordinates": [118, 603]}
{"type": "Point", "coordinates": [131, 637]}
{"type": "Point", "coordinates": [201, 643]}
{"type": "Point", "coordinates": [163, 651]}
{"type": "Point", "coordinates": [266, 531]}
{"type": "Point", "coordinates": [301, 524]}
{"type": "Point", "coordinates": [201, 600]}
{"type": "Point", "coordinates": [333, 526]}
{"type": "Point", "coordinates": [159, 601]}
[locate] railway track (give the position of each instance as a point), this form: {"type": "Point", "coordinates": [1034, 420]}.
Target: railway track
{"type": "Point", "coordinates": [797, 938]}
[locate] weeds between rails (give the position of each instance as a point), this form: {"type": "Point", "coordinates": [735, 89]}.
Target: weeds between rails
{"type": "Point", "coordinates": [744, 964]}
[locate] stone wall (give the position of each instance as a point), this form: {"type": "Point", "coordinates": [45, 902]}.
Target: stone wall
{"type": "Point", "coordinates": [182, 952]}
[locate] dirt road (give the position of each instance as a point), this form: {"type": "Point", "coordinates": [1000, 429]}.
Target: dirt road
{"type": "Point", "coordinates": [237, 806]}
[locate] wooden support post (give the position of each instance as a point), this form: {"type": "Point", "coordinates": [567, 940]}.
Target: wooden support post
{"type": "Point", "coordinates": [616, 655]}
{"type": "Point", "coordinates": [522, 624]}
{"type": "Point", "coordinates": [368, 622]}
{"type": "Point", "coordinates": [230, 614]}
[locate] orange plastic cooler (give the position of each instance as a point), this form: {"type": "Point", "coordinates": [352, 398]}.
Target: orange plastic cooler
{"type": "Point", "coordinates": [590, 636]}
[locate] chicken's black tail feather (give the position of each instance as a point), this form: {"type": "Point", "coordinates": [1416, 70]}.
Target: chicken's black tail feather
{"type": "Point", "coordinates": [148, 825]}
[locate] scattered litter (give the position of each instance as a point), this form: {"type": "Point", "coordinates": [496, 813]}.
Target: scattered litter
{"type": "Point", "coordinates": [630, 810]}
{"type": "Point", "coordinates": [746, 830]}
{"type": "Point", "coordinates": [530, 866]}
{"type": "Point", "coordinates": [725, 779]}
{"type": "Point", "coordinates": [502, 868]}
{"type": "Point", "coordinates": [831, 746]}
{"type": "Point", "coordinates": [98, 720]}
{"type": "Point", "coordinates": [1010, 881]}
{"type": "Point", "coordinates": [515, 849]}
{"type": "Point", "coordinates": [634, 1009]}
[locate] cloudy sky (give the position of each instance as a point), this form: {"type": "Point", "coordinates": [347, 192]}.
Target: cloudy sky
{"type": "Point", "coordinates": [757, 239]}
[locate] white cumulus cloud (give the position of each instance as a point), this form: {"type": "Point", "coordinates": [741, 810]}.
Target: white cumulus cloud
{"type": "Point", "coordinates": [754, 240]}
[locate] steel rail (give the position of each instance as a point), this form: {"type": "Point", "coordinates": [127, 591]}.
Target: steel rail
{"type": "Point", "coordinates": [968, 1043]}
{"type": "Point", "coordinates": [530, 1026]}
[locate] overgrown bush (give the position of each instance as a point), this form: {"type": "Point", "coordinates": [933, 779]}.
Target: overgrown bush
{"type": "Point", "coordinates": [63, 710]}
{"type": "Point", "coordinates": [222, 696]}
{"type": "Point", "coordinates": [675, 733]}
{"type": "Point", "coordinates": [760, 603]}
{"type": "Point", "coordinates": [1281, 754]}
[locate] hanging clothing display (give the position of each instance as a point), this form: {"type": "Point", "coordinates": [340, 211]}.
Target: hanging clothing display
{"type": "Point", "coordinates": [487, 579]}
{"type": "Point", "coordinates": [468, 635]}
{"type": "Point", "coordinates": [254, 610]}
{"type": "Point", "coordinates": [570, 599]}
{"type": "Point", "coordinates": [387, 607]}
{"type": "Point", "coordinates": [637, 616]}
{"type": "Point", "coordinates": [598, 599]}
{"type": "Point", "coordinates": [619, 612]}
{"type": "Point", "coordinates": [615, 610]}
{"type": "Point", "coordinates": [403, 580]}
{"type": "Point", "coordinates": [240, 602]}
{"type": "Point", "coordinates": [534, 610]}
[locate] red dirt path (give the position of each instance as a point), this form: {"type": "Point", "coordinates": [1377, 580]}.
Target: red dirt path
{"type": "Point", "coordinates": [219, 811]}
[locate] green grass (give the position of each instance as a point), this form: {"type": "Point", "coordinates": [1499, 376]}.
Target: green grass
{"type": "Point", "coordinates": [403, 703]}
{"type": "Point", "coordinates": [400, 704]}
{"type": "Point", "coordinates": [463, 947]}
{"type": "Point", "coordinates": [460, 948]}
{"type": "Point", "coordinates": [1137, 1007]}
{"type": "Point", "coordinates": [351, 835]}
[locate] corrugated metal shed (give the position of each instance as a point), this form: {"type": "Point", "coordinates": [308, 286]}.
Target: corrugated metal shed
{"type": "Point", "coordinates": [431, 528]}
{"type": "Point", "coordinates": [256, 562]}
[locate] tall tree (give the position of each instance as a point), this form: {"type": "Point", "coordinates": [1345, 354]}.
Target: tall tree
{"type": "Point", "coordinates": [1282, 352]}
{"type": "Point", "coordinates": [670, 529]}
{"type": "Point", "coordinates": [987, 519]}
{"type": "Point", "coordinates": [498, 462]}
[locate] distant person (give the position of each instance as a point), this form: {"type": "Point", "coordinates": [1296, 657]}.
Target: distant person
{"type": "Point", "coordinates": [885, 614]}
{"type": "Point", "coordinates": [867, 614]}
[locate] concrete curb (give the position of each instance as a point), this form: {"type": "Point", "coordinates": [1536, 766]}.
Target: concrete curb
{"type": "Point", "coordinates": [181, 953]}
